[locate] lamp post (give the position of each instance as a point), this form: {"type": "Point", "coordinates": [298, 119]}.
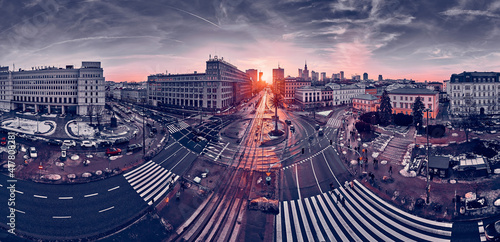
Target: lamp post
{"type": "Point", "coordinates": [427, 168]}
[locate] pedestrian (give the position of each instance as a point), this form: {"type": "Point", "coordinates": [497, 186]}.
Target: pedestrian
{"type": "Point", "coordinates": [352, 185]}
{"type": "Point", "coordinates": [342, 200]}
{"type": "Point", "coordinates": [390, 170]}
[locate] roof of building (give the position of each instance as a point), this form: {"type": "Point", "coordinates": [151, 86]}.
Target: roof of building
{"type": "Point", "coordinates": [475, 73]}
{"type": "Point", "coordinates": [440, 162]}
{"type": "Point", "coordinates": [407, 90]}
{"type": "Point", "coordinates": [368, 97]}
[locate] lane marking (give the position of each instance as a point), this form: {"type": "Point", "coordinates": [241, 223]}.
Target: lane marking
{"type": "Point", "coordinates": [104, 210]}
{"type": "Point", "coordinates": [39, 196]}
{"type": "Point", "coordinates": [65, 198]}
{"type": "Point", "coordinates": [91, 195]}
{"type": "Point", "coordinates": [114, 188]}
{"type": "Point", "coordinates": [61, 216]}
{"type": "Point", "coordinates": [297, 176]}
{"type": "Point", "coordinates": [315, 177]}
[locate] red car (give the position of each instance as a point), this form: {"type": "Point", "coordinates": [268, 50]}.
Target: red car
{"type": "Point", "coordinates": [3, 141]}
{"type": "Point", "coordinates": [113, 151]}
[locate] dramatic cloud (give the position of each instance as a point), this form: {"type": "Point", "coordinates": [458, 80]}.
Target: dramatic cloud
{"type": "Point", "coordinates": [423, 40]}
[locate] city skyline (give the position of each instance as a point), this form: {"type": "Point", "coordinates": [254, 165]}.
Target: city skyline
{"type": "Point", "coordinates": [423, 41]}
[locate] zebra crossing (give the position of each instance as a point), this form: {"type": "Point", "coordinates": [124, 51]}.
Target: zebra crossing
{"type": "Point", "coordinates": [174, 128]}
{"type": "Point", "coordinates": [334, 122]}
{"type": "Point", "coordinates": [151, 181]}
{"type": "Point", "coordinates": [482, 235]}
{"type": "Point", "coordinates": [214, 149]}
{"type": "Point", "coordinates": [353, 215]}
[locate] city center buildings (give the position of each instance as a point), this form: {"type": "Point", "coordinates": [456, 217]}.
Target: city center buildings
{"type": "Point", "coordinates": [50, 89]}
{"type": "Point", "coordinates": [221, 87]}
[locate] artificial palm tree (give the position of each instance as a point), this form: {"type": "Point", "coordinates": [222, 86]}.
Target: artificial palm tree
{"type": "Point", "coordinates": [276, 102]}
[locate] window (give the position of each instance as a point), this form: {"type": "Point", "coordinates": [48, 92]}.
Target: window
{"type": "Point", "coordinates": [430, 99]}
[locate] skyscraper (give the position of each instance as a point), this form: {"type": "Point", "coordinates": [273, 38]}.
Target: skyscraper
{"type": "Point", "coordinates": [323, 76]}
{"type": "Point", "coordinates": [341, 75]}
{"type": "Point", "coordinates": [380, 78]}
{"type": "Point", "coordinates": [253, 74]}
{"type": "Point", "coordinates": [305, 72]}
{"type": "Point", "coordinates": [365, 76]}
{"type": "Point", "coordinates": [278, 76]}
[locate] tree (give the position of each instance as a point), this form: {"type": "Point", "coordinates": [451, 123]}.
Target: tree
{"type": "Point", "coordinates": [276, 102]}
{"type": "Point", "coordinates": [385, 111]}
{"type": "Point", "coordinates": [362, 126]}
{"type": "Point", "coordinates": [418, 112]}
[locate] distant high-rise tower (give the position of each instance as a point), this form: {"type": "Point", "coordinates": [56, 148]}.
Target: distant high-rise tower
{"type": "Point", "coordinates": [323, 76]}
{"type": "Point", "coordinates": [253, 74]}
{"type": "Point", "coordinates": [305, 72]}
{"type": "Point", "coordinates": [260, 76]}
{"type": "Point", "coordinates": [300, 73]}
{"type": "Point", "coordinates": [278, 76]}
{"type": "Point", "coordinates": [365, 76]}
{"type": "Point", "coordinates": [341, 75]}
{"type": "Point", "coordinates": [380, 78]}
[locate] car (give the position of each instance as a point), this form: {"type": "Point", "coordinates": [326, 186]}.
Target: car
{"type": "Point", "coordinates": [113, 151]}
{"type": "Point", "coordinates": [317, 127]}
{"type": "Point", "coordinates": [33, 153]}
{"type": "Point", "coordinates": [492, 231]}
{"type": "Point", "coordinates": [122, 140]}
{"type": "Point", "coordinates": [134, 147]}
{"type": "Point", "coordinates": [292, 128]}
{"type": "Point", "coordinates": [105, 143]}
{"type": "Point", "coordinates": [320, 132]}
{"type": "Point", "coordinates": [127, 120]}
{"type": "Point", "coordinates": [154, 129]}
{"type": "Point", "coordinates": [3, 141]}
{"type": "Point", "coordinates": [88, 144]}
{"type": "Point", "coordinates": [493, 132]}
{"type": "Point", "coordinates": [288, 122]}
{"type": "Point", "coordinates": [54, 142]}
{"type": "Point", "coordinates": [479, 132]}
{"type": "Point", "coordinates": [69, 143]}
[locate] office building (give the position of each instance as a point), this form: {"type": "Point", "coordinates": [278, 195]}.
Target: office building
{"type": "Point", "coordinates": [380, 78]}
{"type": "Point", "coordinates": [54, 90]}
{"type": "Point", "coordinates": [366, 102]}
{"type": "Point", "coordinates": [402, 100]}
{"type": "Point", "coordinates": [290, 86]}
{"type": "Point", "coordinates": [278, 78]}
{"type": "Point", "coordinates": [365, 76]}
{"type": "Point", "coordinates": [221, 87]}
{"type": "Point", "coordinates": [341, 75]}
{"type": "Point", "coordinates": [474, 92]}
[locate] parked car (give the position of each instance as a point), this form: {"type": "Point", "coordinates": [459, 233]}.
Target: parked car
{"type": "Point", "coordinates": [33, 153]}
{"type": "Point", "coordinates": [134, 147]}
{"type": "Point", "coordinates": [292, 128]}
{"type": "Point", "coordinates": [105, 143]}
{"type": "Point", "coordinates": [317, 127]}
{"type": "Point", "coordinates": [88, 144]}
{"type": "Point", "coordinates": [122, 140]}
{"type": "Point", "coordinates": [288, 122]}
{"type": "Point", "coordinates": [492, 231]}
{"type": "Point", "coordinates": [69, 143]}
{"type": "Point", "coordinates": [54, 142]}
{"type": "Point", "coordinates": [113, 151]}
{"type": "Point", "coordinates": [320, 132]}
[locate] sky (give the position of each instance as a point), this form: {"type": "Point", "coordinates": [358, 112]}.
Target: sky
{"type": "Point", "coordinates": [420, 40]}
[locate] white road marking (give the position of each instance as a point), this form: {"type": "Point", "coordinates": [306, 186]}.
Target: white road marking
{"type": "Point", "coordinates": [61, 216]}
{"type": "Point", "coordinates": [91, 195]}
{"type": "Point", "coordinates": [297, 176]}
{"type": "Point", "coordinates": [65, 198]}
{"type": "Point", "coordinates": [114, 188]}
{"type": "Point", "coordinates": [315, 177]}
{"type": "Point", "coordinates": [39, 196]}
{"type": "Point", "coordinates": [104, 210]}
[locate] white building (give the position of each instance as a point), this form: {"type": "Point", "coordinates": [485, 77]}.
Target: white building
{"type": "Point", "coordinates": [343, 94]}
{"type": "Point", "coordinates": [474, 92]}
{"type": "Point", "coordinates": [51, 89]}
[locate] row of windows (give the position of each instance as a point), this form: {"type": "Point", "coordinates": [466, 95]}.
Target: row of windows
{"type": "Point", "coordinates": [408, 105]}
{"type": "Point", "coordinates": [44, 82]}
{"type": "Point", "coordinates": [43, 93]}
{"type": "Point", "coordinates": [45, 99]}
{"type": "Point", "coordinates": [480, 94]}
{"type": "Point", "coordinates": [44, 87]}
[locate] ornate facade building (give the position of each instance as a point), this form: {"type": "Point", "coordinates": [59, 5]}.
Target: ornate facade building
{"type": "Point", "coordinates": [474, 92]}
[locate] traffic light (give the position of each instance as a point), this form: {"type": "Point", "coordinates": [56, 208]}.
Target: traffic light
{"type": "Point", "coordinates": [331, 142]}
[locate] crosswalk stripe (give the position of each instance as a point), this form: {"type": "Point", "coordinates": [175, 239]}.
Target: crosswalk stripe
{"type": "Point", "coordinates": [288, 226]}
{"type": "Point", "coordinates": [406, 221]}
{"type": "Point", "coordinates": [298, 230]}
{"type": "Point", "coordinates": [157, 186]}
{"type": "Point", "coordinates": [371, 218]}
{"type": "Point", "coordinates": [156, 178]}
{"type": "Point", "coordinates": [279, 235]}
{"type": "Point", "coordinates": [146, 175]}
{"type": "Point", "coordinates": [330, 218]}
{"type": "Point", "coordinates": [304, 220]}
{"type": "Point", "coordinates": [140, 173]}
{"type": "Point", "coordinates": [165, 189]}
{"type": "Point", "coordinates": [315, 222]}
{"type": "Point", "coordinates": [137, 169]}
{"type": "Point", "coordinates": [482, 235]}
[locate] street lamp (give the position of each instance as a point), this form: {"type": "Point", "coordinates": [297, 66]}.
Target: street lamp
{"type": "Point", "coordinates": [427, 173]}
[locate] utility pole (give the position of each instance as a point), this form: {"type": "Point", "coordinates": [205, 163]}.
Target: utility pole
{"type": "Point", "coordinates": [427, 131]}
